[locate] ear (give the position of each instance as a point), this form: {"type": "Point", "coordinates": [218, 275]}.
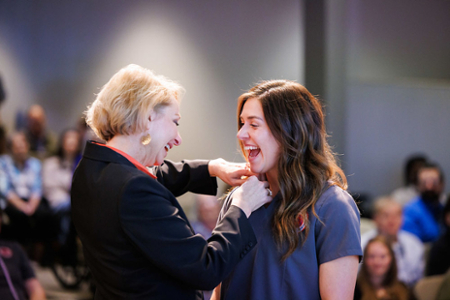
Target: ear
{"type": "Point", "coordinates": [151, 117]}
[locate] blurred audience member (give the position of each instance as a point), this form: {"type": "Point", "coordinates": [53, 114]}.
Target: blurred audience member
{"type": "Point", "coordinates": [57, 177]}
{"type": "Point", "coordinates": [17, 279]}
{"type": "Point", "coordinates": [408, 249]}
{"type": "Point", "coordinates": [422, 216]}
{"type": "Point", "coordinates": [208, 209]}
{"type": "Point", "coordinates": [408, 192]}
{"type": "Point", "coordinates": [439, 257]}
{"type": "Point", "coordinates": [377, 278]}
{"type": "Point", "coordinates": [23, 191]}
{"type": "Point", "coordinates": [42, 141]}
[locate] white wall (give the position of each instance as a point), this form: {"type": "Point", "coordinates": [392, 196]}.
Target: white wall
{"type": "Point", "coordinates": [389, 121]}
{"type": "Point", "coordinates": [387, 88]}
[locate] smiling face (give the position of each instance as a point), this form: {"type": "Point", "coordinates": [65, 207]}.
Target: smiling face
{"type": "Point", "coordinates": [164, 133]}
{"type": "Point", "coordinates": [377, 259]}
{"type": "Point", "coordinates": [19, 147]}
{"type": "Point", "coordinates": [389, 219]}
{"type": "Point", "coordinates": [260, 146]}
{"type": "Point", "coordinates": [71, 142]}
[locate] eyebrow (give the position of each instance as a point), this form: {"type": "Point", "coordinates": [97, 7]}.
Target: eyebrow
{"type": "Point", "coordinates": [253, 117]}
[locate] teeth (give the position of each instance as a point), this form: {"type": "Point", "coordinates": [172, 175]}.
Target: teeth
{"type": "Point", "coordinates": [251, 148]}
{"type": "Point", "coordinates": [167, 148]}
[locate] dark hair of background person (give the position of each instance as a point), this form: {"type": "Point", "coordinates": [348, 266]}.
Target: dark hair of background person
{"type": "Point", "coordinates": [306, 163]}
{"type": "Point", "coordinates": [60, 149]}
{"type": "Point", "coordinates": [413, 164]}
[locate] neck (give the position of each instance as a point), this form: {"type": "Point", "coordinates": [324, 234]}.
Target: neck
{"type": "Point", "coordinates": [127, 144]}
{"type": "Point", "coordinates": [19, 162]}
{"type": "Point", "coordinates": [376, 281]}
{"type": "Point", "coordinates": [272, 178]}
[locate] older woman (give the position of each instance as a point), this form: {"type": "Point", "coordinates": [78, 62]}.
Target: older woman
{"type": "Point", "coordinates": [136, 238]}
{"type": "Point", "coordinates": [308, 237]}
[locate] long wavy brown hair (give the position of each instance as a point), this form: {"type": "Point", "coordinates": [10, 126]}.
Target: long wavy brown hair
{"type": "Point", "coordinates": [306, 165]}
{"type": "Point", "coordinates": [394, 288]}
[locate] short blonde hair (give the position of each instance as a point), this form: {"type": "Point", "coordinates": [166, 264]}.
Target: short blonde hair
{"type": "Point", "coordinates": [124, 103]}
{"type": "Point", "coordinates": [383, 202]}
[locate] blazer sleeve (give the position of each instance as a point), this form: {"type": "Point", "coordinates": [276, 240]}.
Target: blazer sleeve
{"type": "Point", "coordinates": [153, 223]}
{"type": "Point", "coordinates": [187, 176]}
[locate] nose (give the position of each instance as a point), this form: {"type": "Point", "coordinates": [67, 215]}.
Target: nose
{"type": "Point", "coordinates": [242, 133]}
{"type": "Point", "coordinates": [178, 140]}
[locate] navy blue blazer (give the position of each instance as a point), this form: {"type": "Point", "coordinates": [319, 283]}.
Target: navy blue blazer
{"type": "Point", "coordinates": [136, 238]}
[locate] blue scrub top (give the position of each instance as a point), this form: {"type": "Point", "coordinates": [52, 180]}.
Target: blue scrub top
{"type": "Point", "coordinates": [262, 275]}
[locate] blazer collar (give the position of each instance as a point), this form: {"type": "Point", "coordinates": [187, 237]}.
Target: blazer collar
{"type": "Point", "coordinates": [97, 152]}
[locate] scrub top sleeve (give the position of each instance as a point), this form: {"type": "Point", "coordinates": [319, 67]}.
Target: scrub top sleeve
{"type": "Point", "coordinates": [225, 205]}
{"type": "Point", "coordinates": [338, 234]}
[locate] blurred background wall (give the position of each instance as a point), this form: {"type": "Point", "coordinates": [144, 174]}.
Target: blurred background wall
{"type": "Point", "coordinates": [382, 68]}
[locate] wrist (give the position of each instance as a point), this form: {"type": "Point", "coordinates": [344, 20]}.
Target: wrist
{"type": "Point", "coordinates": [214, 166]}
{"type": "Point", "coordinates": [246, 211]}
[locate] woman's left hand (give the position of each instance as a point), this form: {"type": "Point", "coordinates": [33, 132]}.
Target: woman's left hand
{"type": "Point", "coordinates": [233, 174]}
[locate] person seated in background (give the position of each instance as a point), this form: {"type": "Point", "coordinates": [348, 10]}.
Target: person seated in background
{"type": "Point", "coordinates": [23, 191]}
{"type": "Point", "coordinates": [422, 216]}
{"type": "Point", "coordinates": [57, 172]}
{"type": "Point", "coordinates": [408, 249]}
{"type": "Point", "coordinates": [377, 278]}
{"type": "Point", "coordinates": [17, 278]}
{"type": "Point", "coordinates": [208, 209]}
{"type": "Point", "coordinates": [42, 141]}
{"type": "Point", "coordinates": [408, 192]}
{"type": "Point", "coordinates": [439, 256]}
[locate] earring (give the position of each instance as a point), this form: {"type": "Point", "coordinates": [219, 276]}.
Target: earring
{"type": "Point", "coordinates": [145, 140]}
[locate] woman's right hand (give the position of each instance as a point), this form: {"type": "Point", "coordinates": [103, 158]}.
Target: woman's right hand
{"type": "Point", "coordinates": [251, 195]}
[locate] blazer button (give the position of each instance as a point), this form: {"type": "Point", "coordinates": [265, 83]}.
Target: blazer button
{"type": "Point", "coordinates": [250, 244]}
{"type": "Point", "coordinates": [247, 248]}
{"type": "Point", "coordinates": [242, 255]}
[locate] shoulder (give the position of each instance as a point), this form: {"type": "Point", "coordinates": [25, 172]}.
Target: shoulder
{"type": "Point", "coordinates": [5, 159]}
{"type": "Point", "coordinates": [414, 206]}
{"type": "Point", "coordinates": [50, 162]}
{"type": "Point", "coordinates": [14, 247]}
{"type": "Point", "coordinates": [136, 183]}
{"type": "Point", "coordinates": [32, 161]}
{"type": "Point", "coordinates": [410, 239]}
{"type": "Point", "coordinates": [335, 198]}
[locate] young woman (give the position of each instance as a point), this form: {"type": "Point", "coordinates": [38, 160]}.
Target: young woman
{"type": "Point", "coordinates": [308, 236]}
{"type": "Point", "coordinates": [57, 172]}
{"type": "Point", "coordinates": [378, 276]}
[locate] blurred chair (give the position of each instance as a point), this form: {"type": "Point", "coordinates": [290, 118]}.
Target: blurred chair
{"type": "Point", "coordinates": [428, 287]}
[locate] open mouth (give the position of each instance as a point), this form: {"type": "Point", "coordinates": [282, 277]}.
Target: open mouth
{"type": "Point", "coordinates": [253, 151]}
{"type": "Point", "coordinates": [167, 147]}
